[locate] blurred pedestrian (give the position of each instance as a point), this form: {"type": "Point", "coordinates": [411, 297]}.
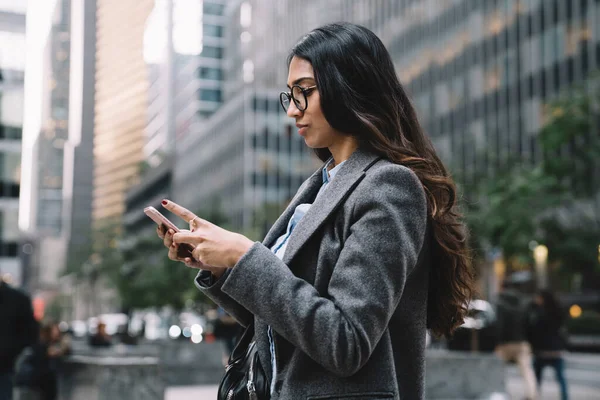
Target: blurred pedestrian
{"type": "Point", "coordinates": [547, 335]}
{"type": "Point", "coordinates": [512, 337]}
{"type": "Point", "coordinates": [101, 338]}
{"type": "Point", "coordinates": [369, 253]}
{"type": "Point", "coordinates": [125, 337]}
{"type": "Point", "coordinates": [36, 375]}
{"type": "Point", "coordinates": [18, 329]}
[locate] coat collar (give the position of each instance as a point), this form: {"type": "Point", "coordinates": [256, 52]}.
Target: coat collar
{"type": "Point", "coordinates": [346, 179]}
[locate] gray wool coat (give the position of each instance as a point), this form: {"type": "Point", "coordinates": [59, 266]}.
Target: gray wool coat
{"type": "Point", "coordinates": [348, 302]}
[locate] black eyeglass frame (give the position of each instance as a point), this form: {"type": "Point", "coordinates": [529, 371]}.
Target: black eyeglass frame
{"type": "Point", "coordinates": [289, 96]}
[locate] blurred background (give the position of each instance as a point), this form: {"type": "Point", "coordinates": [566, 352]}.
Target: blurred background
{"type": "Point", "coordinates": [109, 106]}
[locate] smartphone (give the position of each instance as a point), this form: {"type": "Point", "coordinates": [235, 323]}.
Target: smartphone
{"type": "Point", "coordinates": [183, 251]}
{"type": "Point", "coordinates": [160, 219]}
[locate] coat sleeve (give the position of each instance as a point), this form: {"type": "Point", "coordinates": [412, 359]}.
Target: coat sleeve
{"type": "Point", "coordinates": [340, 331]}
{"type": "Point", "coordinates": [206, 283]}
{"type": "Point", "coordinates": [212, 289]}
{"type": "Point", "coordinates": [26, 325]}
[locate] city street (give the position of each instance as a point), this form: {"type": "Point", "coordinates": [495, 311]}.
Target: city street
{"type": "Point", "coordinates": [462, 230]}
{"type": "Point", "coordinates": [583, 378]}
{"type": "Point", "coordinates": [583, 374]}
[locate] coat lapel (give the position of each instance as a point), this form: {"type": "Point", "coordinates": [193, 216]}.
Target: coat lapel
{"type": "Point", "coordinates": [305, 194]}
{"type": "Point", "coordinates": [347, 178]}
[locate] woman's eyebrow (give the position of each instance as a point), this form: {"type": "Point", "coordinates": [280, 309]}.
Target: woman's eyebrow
{"type": "Point", "coordinates": [297, 81]}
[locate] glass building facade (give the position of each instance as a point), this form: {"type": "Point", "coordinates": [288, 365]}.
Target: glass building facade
{"type": "Point", "coordinates": [12, 67]}
{"type": "Point", "coordinates": [121, 104]}
{"type": "Point", "coordinates": [479, 74]}
{"type": "Point", "coordinates": [51, 141]}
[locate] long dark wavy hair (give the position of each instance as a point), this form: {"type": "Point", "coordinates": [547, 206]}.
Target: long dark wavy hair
{"type": "Point", "coordinates": [552, 307]}
{"type": "Point", "coordinates": [362, 96]}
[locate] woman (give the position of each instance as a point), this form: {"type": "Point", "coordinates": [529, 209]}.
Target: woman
{"type": "Point", "coordinates": [545, 323]}
{"type": "Point", "coordinates": [370, 251]}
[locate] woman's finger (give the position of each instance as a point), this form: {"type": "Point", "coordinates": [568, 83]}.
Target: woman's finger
{"type": "Point", "coordinates": [168, 240]}
{"type": "Point", "coordinates": [193, 263]}
{"type": "Point", "coordinates": [160, 232]}
{"type": "Point", "coordinates": [173, 253]}
{"type": "Point", "coordinates": [186, 237]}
{"type": "Point", "coordinates": [178, 210]}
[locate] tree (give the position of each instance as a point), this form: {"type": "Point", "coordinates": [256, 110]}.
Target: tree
{"type": "Point", "coordinates": [553, 202]}
{"type": "Point", "coordinates": [507, 207]}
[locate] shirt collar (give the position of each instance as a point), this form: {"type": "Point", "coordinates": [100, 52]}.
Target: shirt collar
{"type": "Point", "coordinates": [328, 175]}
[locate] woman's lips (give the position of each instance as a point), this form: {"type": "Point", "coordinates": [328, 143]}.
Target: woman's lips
{"type": "Point", "coordinates": [301, 129]}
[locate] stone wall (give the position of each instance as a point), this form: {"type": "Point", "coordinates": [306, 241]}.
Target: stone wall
{"type": "Point", "coordinates": [191, 364]}
{"type": "Point", "coordinates": [460, 375]}
{"type": "Point", "coordinates": [111, 378]}
{"type": "Point", "coordinates": [143, 372]}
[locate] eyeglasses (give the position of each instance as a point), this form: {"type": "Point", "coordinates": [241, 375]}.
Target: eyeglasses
{"type": "Point", "coordinates": [299, 95]}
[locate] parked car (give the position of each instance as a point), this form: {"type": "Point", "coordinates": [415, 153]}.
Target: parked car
{"type": "Point", "coordinates": [478, 332]}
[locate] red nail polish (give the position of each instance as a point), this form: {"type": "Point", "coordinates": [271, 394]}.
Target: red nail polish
{"type": "Point", "coordinates": [193, 230]}
{"type": "Point", "coordinates": [164, 202]}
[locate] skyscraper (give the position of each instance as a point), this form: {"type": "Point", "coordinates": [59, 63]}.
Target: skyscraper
{"type": "Point", "coordinates": [183, 47]}
{"type": "Point", "coordinates": [79, 156]}
{"type": "Point", "coordinates": [12, 67]}
{"type": "Point", "coordinates": [121, 104]}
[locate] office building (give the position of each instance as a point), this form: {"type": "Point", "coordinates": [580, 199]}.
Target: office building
{"type": "Point", "coordinates": [121, 105]}
{"type": "Point", "coordinates": [183, 47]}
{"type": "Point", "coordinates": [57, 154]}
{"type": "Point", "coordinates": [478, 72]}
{"type": "Point", "coordinates": [79, 155]}
{"type": "Point", "coordinates": [245, 157]}
{"type": "Point", "coordinates": [12, 67]}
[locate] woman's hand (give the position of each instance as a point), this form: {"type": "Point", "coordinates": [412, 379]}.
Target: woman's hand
{"type": "Point", "coordinates": [212, 244]}
{"type": "Point", "coordinates": [182, 253]}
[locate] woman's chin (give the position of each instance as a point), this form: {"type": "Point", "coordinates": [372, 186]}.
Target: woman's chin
{"type": "Point", "coordinates": [311, 143]}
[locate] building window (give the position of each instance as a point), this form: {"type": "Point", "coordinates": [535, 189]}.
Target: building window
{"type": "Point", "coordinates": [457, 92]}
{"type": "Point", "coordinates": [59, 113]}
{"type": "Point", "coordinates": [550, 46]}
{"type": "Point", "coordinates": [574, 36]}
{"type": "Point", "coordinates": [210, 95]}
{"type": "Point", "coordinates": [211, 73]}
{"type": "Point", "coordinates": [213, 30]}
{"type": "Point", "coordinates": [492, 78]}
{"type": "Point", "coordinates": [476, 82]}
{"type": "Point", "coordinates": [11, 132]}
{"type": "Point", "coordinates": [213, 9]}
{"type": "Point", "coordinates": [212, 52]}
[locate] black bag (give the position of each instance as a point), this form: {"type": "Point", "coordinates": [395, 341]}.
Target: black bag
{"type": "Point", "coordinates": [245, 378]}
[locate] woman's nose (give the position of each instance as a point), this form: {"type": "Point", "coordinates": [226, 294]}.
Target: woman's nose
{"type": "Point", "coordinates": [292, 110]}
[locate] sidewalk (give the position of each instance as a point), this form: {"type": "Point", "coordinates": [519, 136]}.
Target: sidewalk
{"type": "Point", "coordinates": [550, 390]}
{"type": "Point", "coordinates": [514, 385]}
{"type": "Point", "coordinates": [191, 392]}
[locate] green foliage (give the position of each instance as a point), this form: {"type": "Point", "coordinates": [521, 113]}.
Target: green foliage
{"type": "Point", "coordinates": [147, 278]}
{"type": "Point", "coordinates": [570, 145]}
{"type": "Point", "coordinates": [54, 310]}
{"type": "Point", "coordinates": [523, 202]}
{"type": "Point", "coordinates": [508, 205]}
{"type": "Point", "coordinates": [575, 245]}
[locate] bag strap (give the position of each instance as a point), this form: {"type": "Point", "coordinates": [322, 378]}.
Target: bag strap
{"type": "Point", "coordinates": [243, 343]}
